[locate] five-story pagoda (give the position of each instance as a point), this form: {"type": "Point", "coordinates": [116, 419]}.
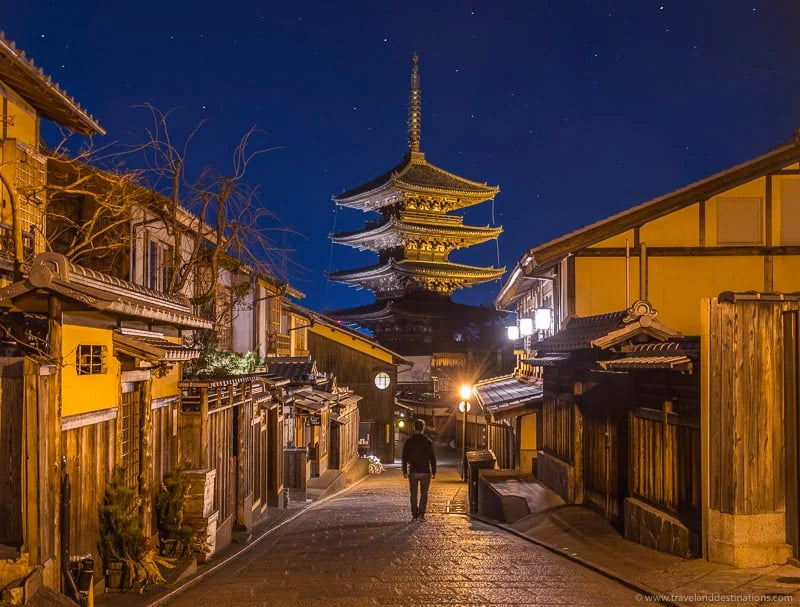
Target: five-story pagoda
{"type": "Point", "coordinates": [414, 236]}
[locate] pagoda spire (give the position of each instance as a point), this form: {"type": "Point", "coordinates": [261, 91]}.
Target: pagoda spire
{"type": "Point", "coordinates": [414, 109]}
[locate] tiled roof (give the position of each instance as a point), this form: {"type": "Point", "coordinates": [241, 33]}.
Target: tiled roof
{"type": "Point", "coordinates": [504, 394]}
{"type": "Point", "coordinates": [675, 354]}
{"type": "Point", "coordinates": [153, 347]}
{"type": "Point", "coordinates": [414, 172]}
{"type": "Point", "coordinates": [580, 332]}
{"type": "Point", "coordinates": [38, 89]}
{"type": "Point", "coordinates": [88, 289]}
{"type": "Point", "coordinates": [605, 331]}
{"type": "Point", "coordinates": [299, 370]}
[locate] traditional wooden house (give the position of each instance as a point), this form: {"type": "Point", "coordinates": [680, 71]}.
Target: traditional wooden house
{"type": "Point", "coordinates": [510, 405]}
{"type": "Point", "coordinates": [111, 353]}
{"type": "Point", "coordinates": [366, 368]}
{"type": "Point", "coordinates": [736, 230]}
{"type": "Point", "coordinates": [27, 95]}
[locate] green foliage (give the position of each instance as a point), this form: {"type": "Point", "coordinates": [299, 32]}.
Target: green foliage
{"type": "Point", "coordinates": [177, 537]}
{"type": "Point", "coordinates": [214, 362]}
{"type": "Point", "coordinates": [121, 537]}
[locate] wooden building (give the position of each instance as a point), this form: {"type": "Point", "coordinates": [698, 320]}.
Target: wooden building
{"type": "Point", "coordinates": [101, 370]}
{"type": "Point", "coordinates": [413, 237]}
{"type": "Point", "coordinates": [751, 423]}
{"type": "Point", "coordinates": [27, 95]}
{"type": "Point", "coordinates": [738, 230]}
{"type": "Point", "coordinates": [365, 368]}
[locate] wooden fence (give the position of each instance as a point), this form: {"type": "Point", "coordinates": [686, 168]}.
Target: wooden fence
{"type": "Point", "coordinates": [665, 460]}
{"type": "Point", "coordinates": [557, 428]}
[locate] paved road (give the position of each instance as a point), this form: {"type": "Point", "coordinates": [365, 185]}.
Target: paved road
{"type": "Point", "coordinates": [361, 548]}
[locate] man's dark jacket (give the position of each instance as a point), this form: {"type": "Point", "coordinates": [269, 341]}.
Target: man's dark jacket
{"type": "Point", "coordinates": [418, 455]}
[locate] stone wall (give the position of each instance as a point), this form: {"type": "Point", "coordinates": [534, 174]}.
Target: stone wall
{"type": "Point", "coordinates": [651, 527]}
{"type": "Point", "coordinates": [557, 475]}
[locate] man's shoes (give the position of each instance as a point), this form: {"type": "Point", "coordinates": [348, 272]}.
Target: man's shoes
{"type": "Point", "coordinates": [421, 517]}
{"type": "Point", "coordinates": [414, 518]}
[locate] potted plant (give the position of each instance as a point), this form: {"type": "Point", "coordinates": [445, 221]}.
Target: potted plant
{"type": "Point", "coordinates": [177, 537]}
{"type": "Point", "coordinates": [130, 558]}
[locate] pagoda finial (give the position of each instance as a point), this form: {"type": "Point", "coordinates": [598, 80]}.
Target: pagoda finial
{"type": "Point", "coordinates": [414, 109]}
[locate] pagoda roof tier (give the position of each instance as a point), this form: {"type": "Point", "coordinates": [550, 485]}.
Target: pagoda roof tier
{"type": "Point", "coordinates": [410, 226]}
{"type": "Point", "coordinates": [400, 277]}
{"type": "Point", "coordinates": [411, 308]}
{"type": "Point", "coordinates": [416, 177]}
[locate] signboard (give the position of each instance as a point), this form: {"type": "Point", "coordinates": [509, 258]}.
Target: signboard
{"type": "Point", "coordinates": [315, 419]}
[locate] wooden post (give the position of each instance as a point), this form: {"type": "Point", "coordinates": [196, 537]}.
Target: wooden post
{"type": "Point", "coordinates": [146, 467]}
{"type": "Point", "coordinates": [667, 456]}
{"type": "Point", "coordinates": [577, 447]}
{"type": "Point", "coordinates": [50, 443]}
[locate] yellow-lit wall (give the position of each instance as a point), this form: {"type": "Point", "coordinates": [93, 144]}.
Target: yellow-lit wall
{"type": "Point", "coordinates": [600, 282]}
{"type": "Point", "coordinates": [678, 229]}
{"type": "Point", "coordinates": [167, 385]}
{"type": "Point", "coordinates": [84, 393]}
{"type": "Point", "coordinates": [675, 284]}
{"type": "Point", "coordinates": [527, 442]}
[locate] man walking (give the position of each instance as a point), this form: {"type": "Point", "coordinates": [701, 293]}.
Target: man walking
{"type": "Point", "coordinates": [419, 467]}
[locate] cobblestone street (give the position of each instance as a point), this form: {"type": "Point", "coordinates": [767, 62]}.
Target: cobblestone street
{"type": "Point", "coordinates": [361, 548]}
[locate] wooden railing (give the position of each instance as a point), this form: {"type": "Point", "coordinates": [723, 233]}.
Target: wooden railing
{"type": "Point", "coordinates": [665, 460]}
{"type": "Point", "coordinates": [279, 344]}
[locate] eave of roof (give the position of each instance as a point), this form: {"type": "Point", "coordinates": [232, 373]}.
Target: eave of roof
{"type": "Point", "coordinates": [152, 347]}
{"type": "Point", "coordinates": [605, 331]}
{"type": "Point", "coordinates": [507, 393]}
{"type": "Point", "coordinates": [38, 89]}
{"type": "Point", "coordinates": [330, 323]}
{"type": "Point", "coordinates": [550, 252]}
{"type": "Point", "coordinates": [416, 173]}
{"type": "Point", "coordinates": [94, 290]}
{"type": "Point", "coordinates": [442, 269]}
{"type": "Point", "coordinates": [453, 230]}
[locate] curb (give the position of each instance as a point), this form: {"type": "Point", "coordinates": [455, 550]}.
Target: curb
{"type": "Point", "coordinates": [637, 586]}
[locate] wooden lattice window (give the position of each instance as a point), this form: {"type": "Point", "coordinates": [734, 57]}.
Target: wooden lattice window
{"type": "Point", "coordinates": [131, 422]}
{"type": "Point", "coordinates": [90, 360]}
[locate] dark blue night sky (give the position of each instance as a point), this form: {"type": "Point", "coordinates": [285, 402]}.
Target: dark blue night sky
{"type": "Point", "coordinates": [576, 109]}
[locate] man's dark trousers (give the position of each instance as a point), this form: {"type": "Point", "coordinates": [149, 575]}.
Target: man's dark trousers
{"type": "Point", "coordinates": [419, 481]}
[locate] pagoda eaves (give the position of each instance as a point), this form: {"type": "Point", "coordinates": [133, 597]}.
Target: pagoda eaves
{"type": "Point", "coordinates": [412, 229]}
{"type": "Point", "coordinates": [416, 183]}
{"type": "Point", "coordinates": [395, 278]}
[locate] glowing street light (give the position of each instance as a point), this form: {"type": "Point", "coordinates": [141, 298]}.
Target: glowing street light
{"type": "Point", "coordinates": [465, 392]}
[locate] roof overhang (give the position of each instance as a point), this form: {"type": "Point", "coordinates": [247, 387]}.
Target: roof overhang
{"type": "Point", "coordinates": [38, 89]}
{"type": "Point", "coordinates": [152, 347]}
{"type": "Point", "coordinates": [84, 289]}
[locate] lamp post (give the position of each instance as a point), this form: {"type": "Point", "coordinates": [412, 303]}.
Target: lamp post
{"type": "Point", "coordinates": [463, 407]}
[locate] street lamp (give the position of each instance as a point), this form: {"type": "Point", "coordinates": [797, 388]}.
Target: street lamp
{"type": "Point", "coordinates": [463, 406]}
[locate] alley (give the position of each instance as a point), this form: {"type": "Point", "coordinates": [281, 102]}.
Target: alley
{"type": "Point", "coordinates": [361, 548]}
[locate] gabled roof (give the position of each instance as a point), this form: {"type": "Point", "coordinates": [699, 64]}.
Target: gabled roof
{"type": "Point", "coordinates": [38, 89]}
{"type": "Point", "coordinates": [326, 321]}
{"type": "Point", "coordinates": [605, 331]}
{"type": "Point", "coordinates": [413, 174]}
{"type": "Point", "coordinates": [551, 252]}
{"type": "Point", "coordinates": [84, 289]}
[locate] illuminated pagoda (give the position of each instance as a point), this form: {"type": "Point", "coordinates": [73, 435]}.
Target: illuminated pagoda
{"type": "Point", "coordinates": [413, 279]}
